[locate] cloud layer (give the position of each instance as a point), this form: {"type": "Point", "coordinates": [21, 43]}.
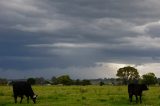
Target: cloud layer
{"type": "Point", "coordinates": [73, 37]}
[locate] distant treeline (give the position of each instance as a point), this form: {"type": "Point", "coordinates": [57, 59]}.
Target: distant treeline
{"type": "Point", "coordinates": [3, 81]}
{"type": "Point", "coordinates": [61, 80]}
{"type": "Point", "coordinates": [66, 80]}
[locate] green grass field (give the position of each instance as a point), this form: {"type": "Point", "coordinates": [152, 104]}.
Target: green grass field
{"type": "Point", "coordinates": [81, 96]}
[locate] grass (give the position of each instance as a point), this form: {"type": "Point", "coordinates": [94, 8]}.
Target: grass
{"type": "Point", "coordinates": [81, 96]}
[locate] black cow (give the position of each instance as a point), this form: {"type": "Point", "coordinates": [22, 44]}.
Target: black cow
{"type": "Point", "coordinates": [136, 89]}
{"type": "Point", "coordinates": [21, 88]}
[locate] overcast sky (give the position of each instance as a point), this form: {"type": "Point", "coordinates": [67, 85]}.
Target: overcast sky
{"type": "Point", "coordinates": [81, 38]}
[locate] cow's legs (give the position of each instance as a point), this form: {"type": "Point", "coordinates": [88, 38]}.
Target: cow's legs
{"type": "Point", "coordinates": [140, 97]}
{"type": "Point", "coordinates": [136, 98]}
{"type": "Point", "coordinates": [130, 97]}
{"type": "Point", "coordinates": [15, 98]}
{"type": "Point", "coordinates": [21, 99]}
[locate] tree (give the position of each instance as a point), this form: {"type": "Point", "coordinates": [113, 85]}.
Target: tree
{"type": "Point", "coordinates": [53, 80]}
{"type": "Point", "coordinates": [85, 82]}
{"type": "Point", "coordinates": [64, 79]}
{"type": "Point", "coordinates": [101, 83]}
{"type": "Point", "coordinates": [127, 74]}
{"type": "Point", "coordinates": [149, 78]}
{"type": "Point", "coordinates": [77, 82]}
{"type": "Point", "coordinates": [3, 81]}
{"type": "Point", "coordinates": [40, 81]}
{"type": "Point", "coordinates": [31, 81]}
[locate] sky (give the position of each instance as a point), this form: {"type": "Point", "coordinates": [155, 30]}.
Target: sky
{"type": "Point", "coordinates": [82, 38]}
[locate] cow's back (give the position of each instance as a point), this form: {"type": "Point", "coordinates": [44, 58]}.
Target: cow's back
{"type": "Point", "coordinates": [134, 89]}
{"type": "Point", "coordinates": [21, 88]}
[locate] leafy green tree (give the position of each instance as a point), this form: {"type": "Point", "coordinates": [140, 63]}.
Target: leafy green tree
{"type": "Point", "coordinates": [64, 79]}
{"type": "Point", "coordinates": [149, 78]}
{"type": "Point", "coordinates": [77, 82]}
{"type": "Point", "coordinates": [53, 80]}
{"type": "Point", "coordinates": [101, 83]}
{"type": "Point", "coordinates": [31, 81]}
{"type": "Point", "coordinates": [127, 73]}
{"type": "Point", "coordinates": [3, 81]}
{"type": "Point", "coordinates": [40, 80]}
{"type": "Point", "coordinates": [85, 82]}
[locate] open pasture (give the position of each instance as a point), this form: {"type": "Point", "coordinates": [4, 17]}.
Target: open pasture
{"type": "Point", "coordinates": [81, 96]}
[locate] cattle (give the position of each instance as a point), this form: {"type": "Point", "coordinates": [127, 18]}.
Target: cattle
{"type": "Point", "coordinates": [136, 89]}
{"type": "Point", "coordinates": [21, 88]}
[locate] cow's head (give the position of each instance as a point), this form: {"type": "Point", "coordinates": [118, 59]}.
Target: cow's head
{"type": "Point", "coordinates": [144, 87]}
{"type": "Point", "coordinates": [34, 98]}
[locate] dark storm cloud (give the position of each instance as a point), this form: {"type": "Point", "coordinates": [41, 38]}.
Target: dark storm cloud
{"type": "Point", "coordinates": [41, 35]}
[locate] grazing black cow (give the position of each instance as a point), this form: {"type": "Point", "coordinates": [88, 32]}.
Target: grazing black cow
{"type": "Point", "coordinates": [136, 89]}
{"type": "Point", "coordinates": [21, 88]}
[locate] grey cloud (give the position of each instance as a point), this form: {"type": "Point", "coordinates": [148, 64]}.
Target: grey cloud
{"type": "Point", "coordinates": [33, 14]}
{"type": "Point", "coordinates": [38, 34]}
